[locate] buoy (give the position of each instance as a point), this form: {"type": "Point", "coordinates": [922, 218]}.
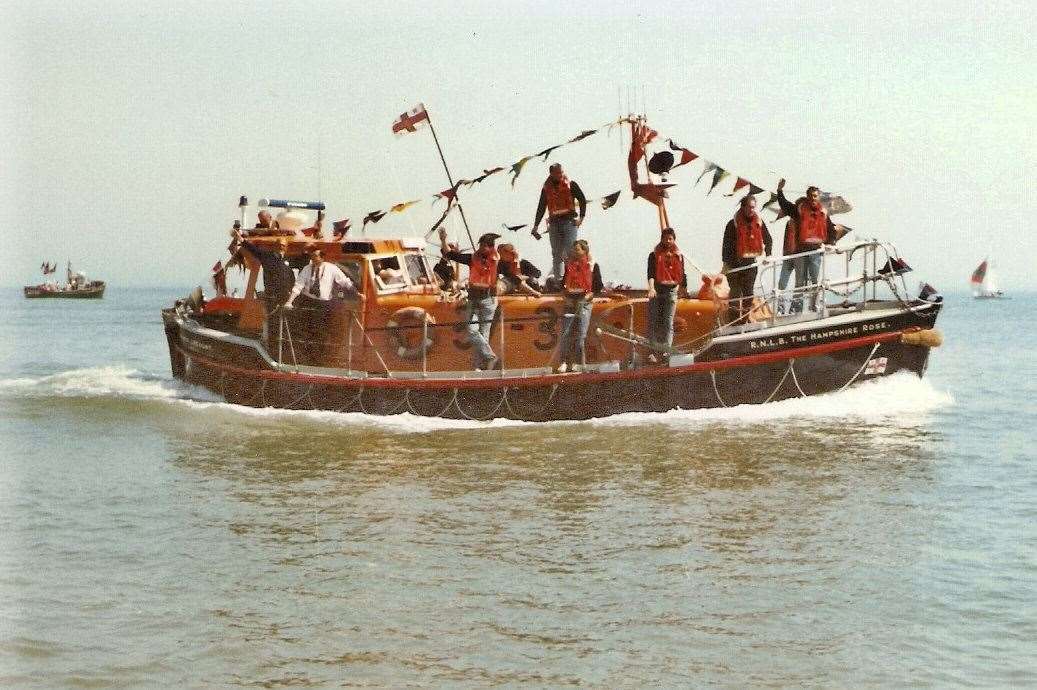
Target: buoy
{"type": "Point", "coordinates": [929, 337]}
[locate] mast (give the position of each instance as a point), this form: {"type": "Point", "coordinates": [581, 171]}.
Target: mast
{"type": "Point", "coordinates": [449, 177]}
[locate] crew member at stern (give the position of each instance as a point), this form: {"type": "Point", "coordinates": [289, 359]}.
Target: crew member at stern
{"type": "Point", "coordinates": [560, 197]}
{"type": "Point", "coordinates": [745, 239]}
{"type": "Point", "coordinates": [666, 278]}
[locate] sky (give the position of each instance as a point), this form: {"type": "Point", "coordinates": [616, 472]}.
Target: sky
{"type": "Point", "coordinates": [129, 129]}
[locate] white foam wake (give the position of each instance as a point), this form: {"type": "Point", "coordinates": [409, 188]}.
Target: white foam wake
{"type": "Point", "coordinates": [105, 382]}
{"type": "Point", "coordinates": [901, 397]}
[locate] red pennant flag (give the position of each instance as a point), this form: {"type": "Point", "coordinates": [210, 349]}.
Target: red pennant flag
{"type": "Point", "coordinates": [739, 184]}
{"type": "Point", "coordinates": [686, 155]}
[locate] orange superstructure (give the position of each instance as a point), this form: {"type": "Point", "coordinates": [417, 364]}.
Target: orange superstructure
{"type": "Point", "coordinates": [402, 321]}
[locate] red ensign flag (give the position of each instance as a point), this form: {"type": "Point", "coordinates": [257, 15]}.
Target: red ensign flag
{"type": "Point", "coordinates": [410, 120]}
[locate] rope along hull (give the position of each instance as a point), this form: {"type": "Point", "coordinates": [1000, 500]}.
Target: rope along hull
{"type": "Point", "coordinates": [770, 366]}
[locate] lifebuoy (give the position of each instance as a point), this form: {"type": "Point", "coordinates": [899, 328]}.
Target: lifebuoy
{"type": "Point", "coordinates": [406, 333]}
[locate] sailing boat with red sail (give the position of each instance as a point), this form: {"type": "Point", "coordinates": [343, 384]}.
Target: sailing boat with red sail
{"type": "Point", "coordinates": [984, 282]}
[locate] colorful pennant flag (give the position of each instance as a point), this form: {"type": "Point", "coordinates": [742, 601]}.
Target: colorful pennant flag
{"type": "Point", "coordinates": [516, 169]}
{"type": "Point", "coordinates": [582, 135]}
{"type": "Point", "coordinates": [710, 167]}
{"type": "Point", "coordinates": [718, 175]}
{"type": "Point", "coordinates": [686, 155]}
{"type": "Point", "coordinates": [401, 207]}
{"type": "Point", "coordinates": [609, 201]}
{"type": "Point", "coordinates": [373, 217]}
{"type": "Point", "coordinates": [739, 183]}
{"type": "Point", "coordinates": [547, 152]}
{"type": "Point", "coordinates": [411, 120]}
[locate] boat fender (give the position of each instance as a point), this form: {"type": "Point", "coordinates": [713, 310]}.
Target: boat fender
{"type": "Point", "coordinates": [405, 332]}
{"type": "Point", "coordinates": [929, 337]}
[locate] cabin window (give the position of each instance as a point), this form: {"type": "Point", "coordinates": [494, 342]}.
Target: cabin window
{"type": "Point", "coordinates": [418, 270]}
{"type": "Point", "coordinates": [388, 274]}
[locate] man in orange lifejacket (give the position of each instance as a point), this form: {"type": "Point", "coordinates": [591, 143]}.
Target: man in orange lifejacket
{"type": "Point", "coordinates": [814, 230]}
{"type": "Point", "coordinates": [666, 280]}
{"type": "Point", "coordinates": [746, 239]}
{"type": "Point", "coordinates": [484, 267]}
{"type": "Point", "coordinates": [560, 197]}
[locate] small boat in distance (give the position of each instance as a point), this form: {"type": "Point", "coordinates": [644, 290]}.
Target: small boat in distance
{"type": "Point", "coordinates": [76, 285]}
{"type": "Point", "coordinates": [984, 282]}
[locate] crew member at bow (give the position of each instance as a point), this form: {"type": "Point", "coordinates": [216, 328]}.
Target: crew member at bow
{"type": "Point", "coordinates": [666, 279]}
{"type": "Point", "coordinates": [814, 229]}
{"type": "Point", "coordinates": [746, 238]}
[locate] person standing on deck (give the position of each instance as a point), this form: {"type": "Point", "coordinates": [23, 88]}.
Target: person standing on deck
{"type": "Point", "coordinates": [560, 197]}
{"type": "Point", "coordinates": [746, 238]}
{"type": "Point", "coordinates": [666, 279]}
{"type": "Point", "coordinates": [320, 279]}
{"type": "Point", "coordinates": [814, 229]}
{"type": "Point", "coordinates": [484, 266]}
{"type": "Point", "coordinates": [582, 281]}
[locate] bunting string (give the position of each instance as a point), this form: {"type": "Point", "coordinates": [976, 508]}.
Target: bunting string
{"type": "Point", "coordinates": [651, 192]}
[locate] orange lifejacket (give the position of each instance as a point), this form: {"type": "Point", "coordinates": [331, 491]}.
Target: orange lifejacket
{"type": "Point", "coordinates": [813, 224]}
{"type": "Point", "coordinates": [579, 276]}
{"type": "Point", "coordinates": [748, 236]}
{"type": "Point", "coordinates": [669, 268]}
{"type": "Point", "coordinates": [483, 270]}
{"type": "Point", "coordinates": [560, 200]}
{"type": "Point", "coordinates": [791, 232]}
{"type": "Point", "coordinates": [510, 259]}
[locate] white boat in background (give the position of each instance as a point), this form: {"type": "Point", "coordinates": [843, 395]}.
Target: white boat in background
{"type": "Point", "coordinates": [984, 282]}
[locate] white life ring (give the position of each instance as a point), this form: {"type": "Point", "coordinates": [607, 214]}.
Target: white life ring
{"type": "Point", "coordinates": [411, 341]}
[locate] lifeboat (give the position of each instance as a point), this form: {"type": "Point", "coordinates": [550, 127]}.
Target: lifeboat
{"type": "Point", "coordinates": [399, 344]}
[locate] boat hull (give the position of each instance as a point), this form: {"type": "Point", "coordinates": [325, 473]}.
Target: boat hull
{"type": "Point", "coordinates": [774, 364]}
{"type": "Point", "coordinates": [34, 292]}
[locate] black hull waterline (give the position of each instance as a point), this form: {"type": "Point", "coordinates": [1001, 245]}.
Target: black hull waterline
{"type": "Point", "coordinates": [771, 364]}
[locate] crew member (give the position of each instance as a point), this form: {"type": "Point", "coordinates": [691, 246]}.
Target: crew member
{"type": "Point", "coordinates": [666, 279]}
{"type": "Point", "coordinates": [265, 224]}
{"type": "Point", "coordinates": [484, 266]}
{"type": "Point", "coordinates": [517, 281]}
{"type": "Point", "coordinates": [789, 265]}
{"type": "Point", "coordinates": [320, 279]}
{"type": "Point", "coordinates": [560, 197]}
{"type": "Point", "coordinates": [814, 229]}
{"type": "Point", "coordinates": [746, 238]}
{"type": "Point", "coordinates": [582, 280]}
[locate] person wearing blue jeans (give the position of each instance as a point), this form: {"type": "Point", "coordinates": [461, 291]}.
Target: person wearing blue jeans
{"type": "Point", "coordinates": [559, 197]}
{"type": "Point", "coordinates": [582, 280]}
{"type": "Point", "coordinates": [814, 229]}
{"type": "Point", "coordinates": [479, 313]}
{"type": "Point", "coordinates": [484, 267]}
{"type": "Point", "coordinates": [666, 280]}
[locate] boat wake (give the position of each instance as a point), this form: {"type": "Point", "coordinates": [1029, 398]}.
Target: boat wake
{"type": "Point", "coordinates": [899, 399]}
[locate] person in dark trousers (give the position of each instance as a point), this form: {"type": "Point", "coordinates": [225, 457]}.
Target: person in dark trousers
{"type": "Point", "coordinates": [666, 280]}
{"type": "Point", "coordinates": [814, 229]}
{"type": "Point", "coordinates": [746, 238]}
{"type": "Point", "coordinates": [560, 197]}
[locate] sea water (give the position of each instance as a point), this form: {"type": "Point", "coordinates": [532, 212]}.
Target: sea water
{"type": "Point", "coordinates": [152, 535]}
